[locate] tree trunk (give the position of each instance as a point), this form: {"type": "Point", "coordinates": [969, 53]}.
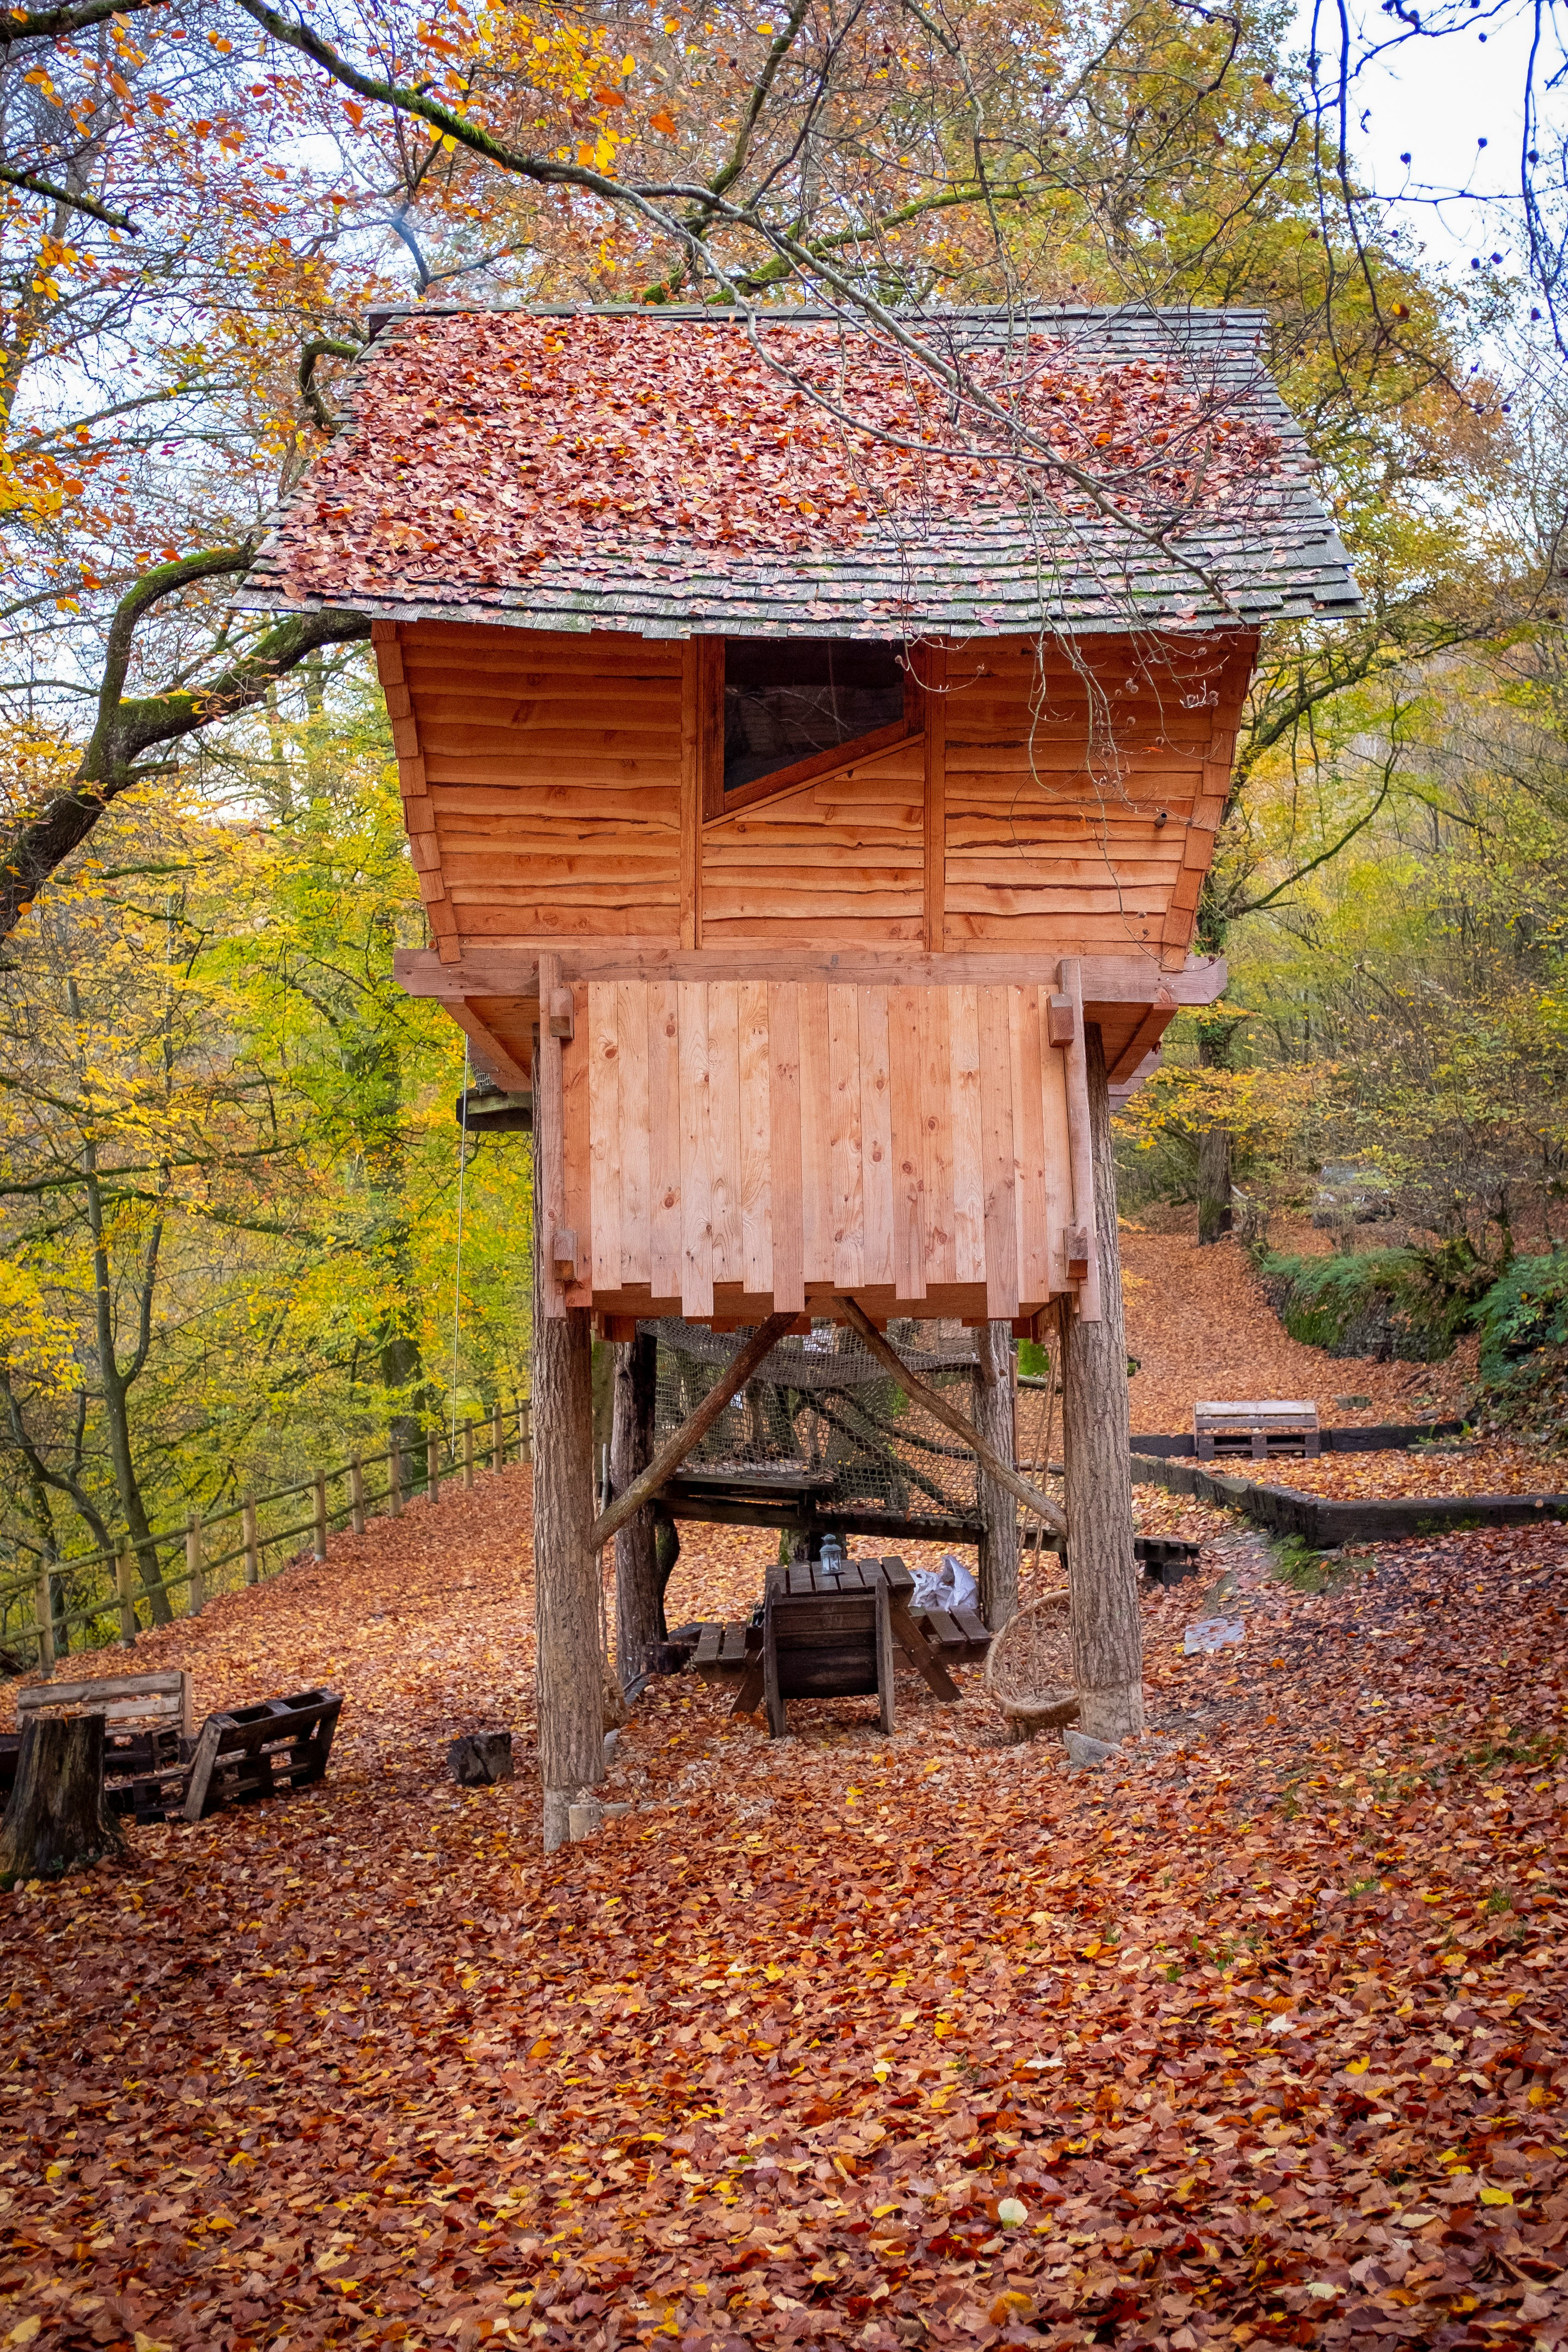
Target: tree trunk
{"type": "Point", "coordinates": [1214, 1217]}
{"type": "Point", "coordinates": [1103, 1576]}
{"type": "Point", "coordinates": [1216, 1044]}
{"type": "Point", "coordinates": [570, 1675]}
{"type": "Point", "coordinates": [56, 1816]}
{"type": "Point", "coordinates": [995, 1419]}
{"type": "Point", "coordinates": [639, 1591]}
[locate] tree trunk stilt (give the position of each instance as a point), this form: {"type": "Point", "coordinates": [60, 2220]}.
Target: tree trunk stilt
{"type": "Point", "coordinates": [570, 1674]}
{"type": "Point", "coordinates": [996, 1418]}
{"type": "Point", "coordinates": [1107, 1624]}
{"type": "Point", "coordinates": [56, 1817]}
{"type": "Point", "coordinates": [639, 1591]}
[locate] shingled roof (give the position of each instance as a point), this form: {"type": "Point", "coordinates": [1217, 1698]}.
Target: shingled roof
{"type": "Point", "coordinates": [672, 472]}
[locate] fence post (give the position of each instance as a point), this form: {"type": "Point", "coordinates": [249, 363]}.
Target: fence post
{"type": "Point", "coordinates": [356, 1495]}
{"type": "Point", "coordinates": [525, 1430]}
{"type": "Point", "coordinates": [127, 1592]}
{"type": "Point", "coordinates": [498, 1437]}
{"type": "Point", "coordinates": [394, 1481]}
{"type": "Point", "coordinates": [468, 1454]}
{"type": "Point", "coordinates": [196, 1572]}
{"type": "Point", "coordinates": [433, 1467]}
{"type": "Point", "coordinates": [320, 1481]}
{"type": "Point", "coordinates": [46, 1608]}
{"type": "Point", "coordinates": [252, 1548]}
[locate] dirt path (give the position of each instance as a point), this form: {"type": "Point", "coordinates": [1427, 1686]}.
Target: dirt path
{"type": "Point", "coordinates": [1257, 2028]}
{"type": "Point", "coordinates": [1199, 1325]}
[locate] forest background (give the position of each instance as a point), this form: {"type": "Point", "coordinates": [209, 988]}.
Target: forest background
{"type": "Point", "coordinates": [231, 1187]}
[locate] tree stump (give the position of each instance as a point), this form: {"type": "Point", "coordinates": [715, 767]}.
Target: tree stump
{"type": "Point", "coordinates": [56, 1819]}
{"type": "Point", "coordinates": [480, 1758]}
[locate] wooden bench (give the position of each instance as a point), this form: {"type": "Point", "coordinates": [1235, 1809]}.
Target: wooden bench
{"type": "Point", "coordinates": [1255, 1430]}
{"type": "Point", "coordinates": [260, 1752]}
{"type": "Point", "coordinates": [722, 1649]}
{"type": "Point", "coordinates": [146, 1735]}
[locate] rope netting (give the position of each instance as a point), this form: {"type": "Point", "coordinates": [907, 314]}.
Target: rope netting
{"type": "Point", "coordinates": [821, 1407]}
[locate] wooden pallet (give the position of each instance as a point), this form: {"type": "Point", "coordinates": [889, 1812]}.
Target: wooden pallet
{"type": "Point", "coordinates": [261, 1751]}
{"type": "Point", "coordinates": [146, 1742]}
{"type": "Point", "coordinates": [1255, 1430]}
{"type": "Point", "coordinates": [1166, 1559]}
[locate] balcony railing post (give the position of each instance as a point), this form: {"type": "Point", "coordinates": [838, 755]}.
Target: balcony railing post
{"type": "Point", "coordinates": [195, 1570]}
{"type": "Point", "coordinates": [46, 1614]}
{"type": "Point", "coordinates": [126, 1591]}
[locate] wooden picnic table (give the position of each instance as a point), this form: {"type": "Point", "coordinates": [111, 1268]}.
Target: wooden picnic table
{"type": "Point", "coordinates": [824, 1639]}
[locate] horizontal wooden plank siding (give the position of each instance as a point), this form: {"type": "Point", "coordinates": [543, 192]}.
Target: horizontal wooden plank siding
{"type": "Point", "coordinates": [1073, 779]}
{"type": "Point", "coordinates": [552, 763]}
{"type": "Point", "coordinates": [735, 1146]}
{"type": "Point", "coordinates": [846, 855]}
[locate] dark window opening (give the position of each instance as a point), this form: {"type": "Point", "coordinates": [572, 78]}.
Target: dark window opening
{"type": "Point", "coordinates": [788, 699]}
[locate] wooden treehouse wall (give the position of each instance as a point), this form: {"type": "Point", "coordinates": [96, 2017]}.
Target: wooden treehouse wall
{"type": "Point", "coordinates": [805, 1045]}
{"type": "Point", "coordinates": [1062, 803]}
{"type": "Point", "coordinates": [738, 1148]}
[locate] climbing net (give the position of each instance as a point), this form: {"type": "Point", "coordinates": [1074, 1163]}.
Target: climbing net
{"type": "Point", "coordinates": [821, 1403]}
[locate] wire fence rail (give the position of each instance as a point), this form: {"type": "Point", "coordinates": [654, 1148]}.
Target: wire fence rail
{"type": "Point", "coordinates": [120, 1588]}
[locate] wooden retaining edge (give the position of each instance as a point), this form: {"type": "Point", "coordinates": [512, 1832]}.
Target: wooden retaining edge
{"type": "Point", "coordinates": [1376, 1437]}
{"type": "Point", "coordinates": [1326, 1524]}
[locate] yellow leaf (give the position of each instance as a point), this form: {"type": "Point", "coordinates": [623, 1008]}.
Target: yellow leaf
{"type": "Point", "coordinates": [1497, 2196]}
{"type": "Point", "coordinates": [541, 2048]}
{"type": "Point", "coordinates": [24, 2331]}
{"type": "Point", "coordinates": [1358, 2065]}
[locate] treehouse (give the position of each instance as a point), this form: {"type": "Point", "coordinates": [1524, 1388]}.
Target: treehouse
{"type": "Point", "coordinates": [814, 764]}
{"type": "Point", "coordinates": [813, 743]}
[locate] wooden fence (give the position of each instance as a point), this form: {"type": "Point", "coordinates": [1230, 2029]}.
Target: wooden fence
{"type": "Point", "coordinates": [35, 1614]}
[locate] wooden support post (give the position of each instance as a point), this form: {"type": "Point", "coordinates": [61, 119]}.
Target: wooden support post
{"type": "Point", "coordinates": [433, 1467]}
{"type": "Point", "coordinates": [195, 1568]}
{"type": "Point", "coordinates": [555, 1244]}
{"type": "Point", "coordinates": [570, 1672]}
{"type": "Point", "coordinates": [467, 1456]}
{"type": "Point", "coordinates": [1102, 1575]}
{"type": "Point", "coordinates": [1083, 1254]}
{"type": "Point", "coordinates": [639, 1599]}
{"type": "Point", "coordinates": [525, 1429]}
{"type": "Point", "coordinates": [356, 1495]}
{"type": "Point", "coordinates": [394, 1482]}
{"type": "Point", "coordinates": [45, 1606]}
{"type": "Point", "coordinates": [498, 1437]}
{"type": "Point", "coordinates": [995, 1420]}
{"type": "Point", "coordinates": [252, 1545]}
{"type": "Point", "coordinates": [125, 1587]}
{"type": "Point", "coordinates": [321, 1485]}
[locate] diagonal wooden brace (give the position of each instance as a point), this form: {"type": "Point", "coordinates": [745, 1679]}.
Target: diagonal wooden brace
{"type": "Point", "coordinates": [948, 1416]}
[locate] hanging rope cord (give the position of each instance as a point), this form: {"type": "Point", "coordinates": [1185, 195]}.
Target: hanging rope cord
{"type": "Point", "coordinates": [458, 1275]}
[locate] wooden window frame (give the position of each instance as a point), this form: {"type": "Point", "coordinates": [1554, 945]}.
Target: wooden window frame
{"type": "Point", "coordinates": [718, 804]}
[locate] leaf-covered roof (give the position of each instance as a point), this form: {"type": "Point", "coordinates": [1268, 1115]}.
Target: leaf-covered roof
{"type": "Point", "coordinates": [675, 471]}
